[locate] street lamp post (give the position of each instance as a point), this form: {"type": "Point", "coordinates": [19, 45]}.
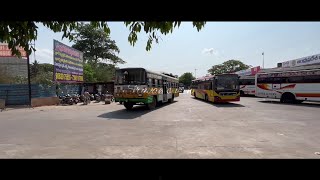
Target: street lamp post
{"type": "Point", "coordinates": [263, 60]}
{"type": "Point", "coordinates": [195, 73]}
{"type": "Point", "coordinates": [29, 83]}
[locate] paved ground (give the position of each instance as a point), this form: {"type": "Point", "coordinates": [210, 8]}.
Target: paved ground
{"type": "Point", "coordinates": [187, 128]}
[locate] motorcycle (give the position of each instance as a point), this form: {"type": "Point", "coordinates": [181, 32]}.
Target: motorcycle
{"type": "Point", "coordinates": [97, 97]}
{"type": "Point", "coordinates": [76, 98]}
{"type": "Point", "coordinates": [68, 100]}
{"type": "Point", "coordinates": [108, 97]}
{"type": "Point", "coordinates": [91, 97]}
{"type": "Point", "coordinates": [86, 98]}
{"type": "Point", "coordinates": [82, 97]}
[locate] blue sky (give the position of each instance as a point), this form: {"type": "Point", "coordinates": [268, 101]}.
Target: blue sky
{"type": "Point", "coordinates": [186, 49]}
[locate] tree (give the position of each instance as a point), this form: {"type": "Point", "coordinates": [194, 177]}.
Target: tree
{"type": "Point", "coordinates": [34, 69]}
{"type": "Point", "coordinates": [41, 73]}
{"type": "Point", "coordinates": [21, 33]}
{"type": "Point", "coordinates": [186, 78]}
{"type": "Point", "coordinates": [99, 53]}
{"type": "Point", "coordinates": [88, 73]}
{"type": "Point", "coordinates": [229, 66]}
{"type": "Point", "coordinates": [96, 45]}
{"type": "Point", "coordinates": [105, 72]}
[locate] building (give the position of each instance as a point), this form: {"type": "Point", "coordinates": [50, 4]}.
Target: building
{"type": "Point", "coordinates": [313, 59]}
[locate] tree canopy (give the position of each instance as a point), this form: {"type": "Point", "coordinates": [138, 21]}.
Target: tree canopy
{"type": "Point", "coordinates": [100, 53]}
{"type": "Point", "coordinates": [96, 45]}
{"type": "Point", "coordinates": [186, 79]}
{"type": "Point", "coordinates": [22, 33]}
{"type": "Point", "coordinates": [229, 66]}
{"type": "Point", "coordinates": [41, 73]}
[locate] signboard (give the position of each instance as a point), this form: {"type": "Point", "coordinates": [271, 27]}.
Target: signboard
{"type": "Point", "coordinates": [290, 74]}
{"type": "Point", "coordinates": [248, 72]}
{"type": "Point", "coordinates": [6, 52]}
{"type": "Point", "coordinates": [255, 70]}
{"type": "Point", "coordinates": [314, 59]}
{"type": "Point", "coordinates": [68, 63]}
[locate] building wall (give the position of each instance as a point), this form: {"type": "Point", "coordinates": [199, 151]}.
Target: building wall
{"type": "Point", "coordinates": [13, 66]}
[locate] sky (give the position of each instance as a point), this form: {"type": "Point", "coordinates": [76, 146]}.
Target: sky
{"type": "Point", "coordinates": [186, 49]}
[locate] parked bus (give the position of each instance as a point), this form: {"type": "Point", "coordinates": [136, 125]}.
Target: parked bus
{"type": "Point", "coordinates": [217, 88]}
{"type": "Point", "coordinates": [293, 84]}
{"type": "Point", "coordinates": [247, 85]}
{"type": "Point", "coordinates": [140, 86]}
{"type": "Point", "coordinates": [247, 80]}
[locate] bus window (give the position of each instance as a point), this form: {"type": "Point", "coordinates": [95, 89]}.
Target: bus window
{"type": "Point", "coordinates": [265, 80]}
{"type": "Point", "coordinates": [296, 79]}
{"type": "Point", "coordinates": [155, 83]}
{"type": "Point", "coordinates": [246, 82]}
{"type": "Point", "coordinates": [312, 79]}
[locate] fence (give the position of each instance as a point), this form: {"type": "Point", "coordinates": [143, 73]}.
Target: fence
{"type": "Point", "coordinates": [18, 94]}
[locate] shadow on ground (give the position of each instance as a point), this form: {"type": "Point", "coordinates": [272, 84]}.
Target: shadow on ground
{"type": "Point", "coordinates": [220, 105]}
{"type": "Point", "coordinates": [305, 104]}
{"type": "Point", "coordinates": [136, 111]}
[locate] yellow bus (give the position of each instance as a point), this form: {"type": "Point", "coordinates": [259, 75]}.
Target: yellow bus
{"type": "Point", "coordinates": [140, 86]}
{"type": "Point", "coordinates": [216, 88]}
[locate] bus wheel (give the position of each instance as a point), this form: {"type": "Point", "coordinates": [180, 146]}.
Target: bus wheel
{"type": "Point", "coordinates": [153, 104]}
{"type": "Point", "coordinates": [287, 98]}
{"type": "Point", "coordinates": [159, 103]}
{"type": "Point", "coordinates": [206, 97]}
{"type": "Point", "coordinates": [128, 105]}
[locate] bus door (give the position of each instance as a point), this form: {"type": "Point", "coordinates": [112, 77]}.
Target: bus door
{"type": "Point", "coordinates": [164, 86]}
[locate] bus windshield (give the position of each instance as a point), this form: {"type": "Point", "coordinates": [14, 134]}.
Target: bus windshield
{"type": "Point", "coordinates": [227, 82]}
{"type": "Point", "coordinates": [131, 76]}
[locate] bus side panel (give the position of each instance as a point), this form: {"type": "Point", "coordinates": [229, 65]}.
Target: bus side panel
{"type": "Point", "coordinates": [211, 95]}
{"type": "Point", "coordinates": [248, 89]}
{"type": "Point", "coordinates": [265, 91]}
{"type": "Point", "coordinates": [311, 91]}
{"type": "Point", "coordinates": [199, 93]}
{"type": "Point", "coordinates": [160, 97]}
{"type": "Point", "coordinates": [307, 91]}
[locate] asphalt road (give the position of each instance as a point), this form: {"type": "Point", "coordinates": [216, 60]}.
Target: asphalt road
{"type": "Point", "coordinates": [187, 128]}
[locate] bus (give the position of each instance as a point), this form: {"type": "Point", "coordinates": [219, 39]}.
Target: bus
{"type": "Point", "coordinates": [134, 86]}
{"type": "Point", "coordinates": [247, 85]}
{"type": "Point", "coordinates": [290, 85]}
{"type": "Point", "coordinates": [247, 80]}
{"type": "Point", "coordinates": [217, 88]}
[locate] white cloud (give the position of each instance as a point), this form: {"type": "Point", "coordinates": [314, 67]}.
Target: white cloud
{"type": "Point", "coordinates": [43, 55]}
{"type": "Point", "coordinates": [210, 51]}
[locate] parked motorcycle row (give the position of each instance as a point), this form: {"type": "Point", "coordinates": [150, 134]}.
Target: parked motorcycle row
{"type": "Point", "coordinates": [85, 98]}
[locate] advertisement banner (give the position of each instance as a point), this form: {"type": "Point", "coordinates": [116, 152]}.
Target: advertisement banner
{"type": "Point", "coordinates": [68, 63]}
{"type": "Point", "coordinates": [248, 72]}
{"type": "Point", "coordinates": [6, 52]}
{"type": "Point", "coordinates": [314, 59]}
